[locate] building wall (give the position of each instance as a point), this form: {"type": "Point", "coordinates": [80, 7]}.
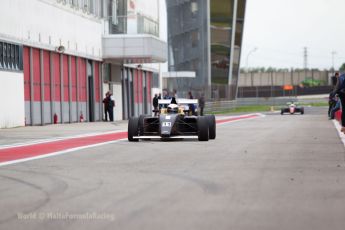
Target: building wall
{"type": "Point", "coordinates": [11, 99]}
{"type": "Point", "coordinates": [48, 24]}
{"type": "Point", "coordinates": [56, 83]}
{"type": "Point", "coordinates": [116, 88]}
{"type": "Point", "coordinates": [206, 37]}
{"type": "Point", "coordinates": [65, 84]}
{"type": "Point", "coordinates": [59, 85]}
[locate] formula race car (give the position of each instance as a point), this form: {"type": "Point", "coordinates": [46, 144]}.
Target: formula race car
{"type": "Point", "coordinates": [174, 121]}
{"type": "Point", "coordinates": [292, 108]}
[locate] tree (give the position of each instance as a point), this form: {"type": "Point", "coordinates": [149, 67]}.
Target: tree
{"type": "Point", "coordinates": [342, 68]}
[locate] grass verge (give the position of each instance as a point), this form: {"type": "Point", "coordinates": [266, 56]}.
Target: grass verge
{"type": "Point", "coordinates": [247, 109]}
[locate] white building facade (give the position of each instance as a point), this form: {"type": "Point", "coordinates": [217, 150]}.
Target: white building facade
{"type": "Point", "coordinates": [59, 57]}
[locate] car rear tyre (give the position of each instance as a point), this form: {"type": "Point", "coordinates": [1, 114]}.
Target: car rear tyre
{"type": "Point", "coordinates": [302, 110]}
{"type": "Point", "coordinates": [211, 126]}
{"type": "Point", "coordinates": [133, 125]}
{"type": "Point", "coordinates": [281, 112]}
{"type": "Point", "coordinates": [203, 130]}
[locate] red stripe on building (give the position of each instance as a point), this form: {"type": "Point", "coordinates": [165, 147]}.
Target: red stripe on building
{"type": "Point", "coordinates": [73, 79]}
{"type": "Point", "coordinates": [65, 78]}
{"type": "Point", "coordinates": [148, 86]}
{"type": "Point", "coordinates": [16, 153]}
{"type": "Point", "coordinates": [57, 77]}
{"type": "Point", "coordinates": [46, 73]}
{"type": "Point", "coordinates": [82, 80]}
{"type": "Point", "coordinates": [26, 65]}
{"type": "Point", "coordinates": [37, 74]}
{"type": "Point", "coordinates": [97, 82]}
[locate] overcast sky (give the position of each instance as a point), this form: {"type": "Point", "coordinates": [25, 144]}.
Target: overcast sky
{"type": "Point", "coordinates": [281, 28]}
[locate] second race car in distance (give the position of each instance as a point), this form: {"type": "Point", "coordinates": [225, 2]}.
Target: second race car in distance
{"type": "Point", "coordinates": [292, 108]}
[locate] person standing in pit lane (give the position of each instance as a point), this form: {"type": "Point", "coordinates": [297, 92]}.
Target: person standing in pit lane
{"type": "Point", "coordinates": [155, 104]}
{"type": "Point", "coordinates": [106, 104]}
{"type": "Point", "coordinates": [340, 90]}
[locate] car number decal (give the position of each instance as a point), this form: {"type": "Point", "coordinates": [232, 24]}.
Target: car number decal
{"type": "Point", "coordinates": [166, 124]}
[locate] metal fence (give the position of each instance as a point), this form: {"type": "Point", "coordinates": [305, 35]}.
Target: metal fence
{"type": "Point", "coordinates": [278, 91]}
{"type": "Point", "coordinates": [254, 79]}
{"type": "Point", "coordinates": [218, 106]}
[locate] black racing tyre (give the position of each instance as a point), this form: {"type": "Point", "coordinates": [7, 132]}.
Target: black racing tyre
{"type": "Point", "coordinates": [203, 134]}
{"type": "Point", "coordinates": [133, 125]}
{"type": "Point", "coordinates": [141, 124]}
{"type": "Point", "coordinates": [302, 110]}
{"type": "Point", "coordinates": [211, 126]}
{"type": "Point", "coordinates": [281, 111]}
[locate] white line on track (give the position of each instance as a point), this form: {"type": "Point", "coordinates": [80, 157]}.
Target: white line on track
{"type": "Point", "coordinates": [90, 146]}
{"type": "Point", "coordinates": [110, 132]}
{"type": "Point", "coordinates": [338, 127]}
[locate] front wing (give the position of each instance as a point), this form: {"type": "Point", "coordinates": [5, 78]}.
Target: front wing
{"type": "Point", "coordinates": [184, 128]}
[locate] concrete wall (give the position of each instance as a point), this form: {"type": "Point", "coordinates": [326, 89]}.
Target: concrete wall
{"type": "Point", "coordinates": [11, 99]}
{"type": "Point", "coordinates": [117, 97]}
{"type": "Point", "coordinates": [48, 24]}
{"type": "Point", "coordinates": [280, 78]}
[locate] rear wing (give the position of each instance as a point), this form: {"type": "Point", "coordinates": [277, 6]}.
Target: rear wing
{"type": "Point", "coordinates": [180, 101]}
{"type": "Point", "coordinates": [164, 101]}
{"type": "Point", "coordinates": [183, 101]}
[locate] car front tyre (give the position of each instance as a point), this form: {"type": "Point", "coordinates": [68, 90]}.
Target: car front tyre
{"type": "Point", "coordinates": [203, 130]}
{"type": "Point", "coordinates": [133, 125]}
{"type": "Point", "coordinates": [211, 126]}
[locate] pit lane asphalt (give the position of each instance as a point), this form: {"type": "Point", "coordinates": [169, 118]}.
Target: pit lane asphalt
{"type": "Point", "coordinates": [276, 172]}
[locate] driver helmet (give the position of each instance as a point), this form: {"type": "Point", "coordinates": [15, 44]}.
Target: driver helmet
{"type": "Point", "coordinates": [172, 108]}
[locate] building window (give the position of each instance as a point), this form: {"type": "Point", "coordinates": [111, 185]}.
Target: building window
{"type": "Point", "coordinates": [73, 3]}
{"type": "Point", "coordinates": [194, 7]}
{"type": "Point", "coordinates": [20, 57]}
{"type": "Point", "coordinates": [1, 55]}
{"type": "Point", "coordinates": [16, 57]}
{"type": "Point", "coordinates": [62, 1]}
{"type": "Point", "coordinates": [195, 38]}
{"type": "Point", "coordinates": [114, 18]}
{"type": "Point", "coordinates": [13, 64]}
{"type": "Point", "coordinates": [106, 72]}
{"type": "Point", "coordinates": [11, 56]}
{"type": "Point", "coordinates": [84, 5]}
{"type": "Point", "coordinates": [91, 6]}
{"type": "Point", "coordinates": [5, 55]}
{"type": "Point", "coordinates": [155, 80]}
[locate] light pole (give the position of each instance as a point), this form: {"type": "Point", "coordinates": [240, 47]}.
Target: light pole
{"type": "Point", "coordinates": [247, 59]}
{"type": "Point", "coordinates": [333, 54]}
